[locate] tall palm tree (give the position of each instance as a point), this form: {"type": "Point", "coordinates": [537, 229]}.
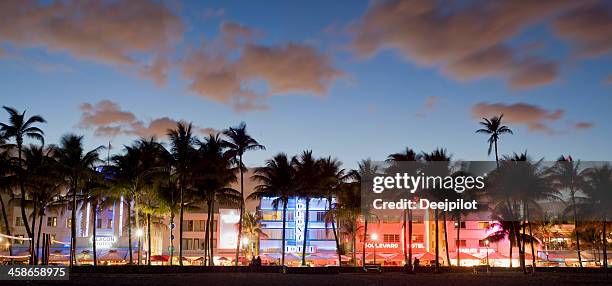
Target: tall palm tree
{"type": "Point", "coordinates": [437, 163]}
{"type": "Point", "coordinates": [599, 190]}
{"type": "Point", "coordinates": [77, 166]}
{"type": "Point", "coordinates": [333, 178]}
{"type": "Point", "coordinates": [18, 128]}
{"type": "Point", "coordinates": [408, 155]}
{"type": "Point", "coordinates": [182, 142]}
{"type": "Point", "coordinates": [239, 143]}
{"type": "Point", "coordinates": [6, 178]}
{"type": "Point", "coordinates": [567, 175]}
{"type": "Point", "coordinates": [310, 185]}
{"type": "Point", "coordinates": [347, 211]}
{"type": "Point", "coordinates": [214, 171]}
{"type": "Point", "coordinates": [495, 128]}
{"type": "Point", "coordinates": [366, 171]}
{"type": "Point", "coordinates": [276, 180]}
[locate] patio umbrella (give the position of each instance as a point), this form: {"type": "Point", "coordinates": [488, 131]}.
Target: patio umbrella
{"type": "Point", "coordinates": [111, 256]}
{"type": "Point", "coordinates": [224, 259]}
{"type": "Point", "coordinates": [427, 256]}
{"type": "Point", "coordinates": [160, 258]}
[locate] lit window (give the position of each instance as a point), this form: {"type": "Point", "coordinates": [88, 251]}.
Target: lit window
{"type": "Point", "coordinates": [52, 221]}
{"type": "Point", "coordinates": [18, 221]}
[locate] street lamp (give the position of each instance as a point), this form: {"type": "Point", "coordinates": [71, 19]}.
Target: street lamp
{"type": "Point", "coordinates": [374, 238]}
{"type": "Point", "coordinates": [139, 234]}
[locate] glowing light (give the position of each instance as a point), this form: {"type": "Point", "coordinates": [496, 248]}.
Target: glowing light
{"type": "Point", "coordinates": [245, 241]}
{"type": "Point", "coordinates": [139, 232]}
{"type": "Point", "coordinates": [374, 236]}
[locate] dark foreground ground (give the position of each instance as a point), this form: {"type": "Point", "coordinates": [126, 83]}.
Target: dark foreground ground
{"type": "Point", "coordinates": [351, 279]}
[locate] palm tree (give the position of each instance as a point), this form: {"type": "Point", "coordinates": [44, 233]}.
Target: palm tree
{"type": "Point", "coordinates": [214, 171]}
{"type": "Point", "coordinates": [253, 229]}
{"type": "Point", "coordinates": [407, 156]}
{"type": "Point", "coordinates": [276, 180]}
{"type": "Point", "coordinates": [332, 181]}
{"type": "Point", "coordinates": [366, 171]}
{"type": "Point", "coordinates": [567, 175]}
{"type": "Point", "coordinates": [494, 128]}
{"type": "Point", "coordinates": [347, 210]}
{"type": "Point", "coordinates": [437, 163]}
{"type": "Point", "coordinates": [18, 127]}
{"type": "Point", "coordinates": [97, 195]}
{"type": "Point", "coordinates": [599, 190]}
{"type": "Point", "coordinates": [310, 185]}
{"type": "Point", "coordinates": [239, 143]}
{"type": "Point", "coordinates": [182, 141]}
{"type": "Point", "coordinates": [76, 166]}
{"type": "Point", "coordinates": [6, 178]}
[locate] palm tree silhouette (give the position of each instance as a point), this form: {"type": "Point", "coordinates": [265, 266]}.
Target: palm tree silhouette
{"type": "Point", "coordinates": [333, 178]}
{"type": "Point", "coordinates": [6, 178]}
{"type": "Point", "coordinates": [408, 155]}
{"type": "Point", "coordinates": [308, 176]}
{"type": "Point", "coordinates": [495, 129]}
{"type": "Point", "coordinates": [18, 127]}
{"type": "Point", "coordinates": [239, 143]}
{"type": "Point", "coordinates": [182, 142]}
{"type": "Point", "coordinates": [253, 229]}
{"type": "Point", "coordinates": [366, 171]}
{"type": "Point", "coordinates": [77, 166]}
{"type": "Point", "coordinates": [276, 180]}
{"type": "Point", "coordinates": [598, 188]}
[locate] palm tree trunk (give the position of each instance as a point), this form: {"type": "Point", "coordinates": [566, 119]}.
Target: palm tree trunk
{"type": "Point", "coordinates": [445, 238]}
{"type": "Point", "coordinates": [22, 201]}
{"type": "Point", "coordinates": [95, 232]}
{"type": "Point", "coordinates": [576, 229]}
{"type": "Point", "coordinates": [404, 231]}
{"type": "Point", "coordinates": [33, 249]}
{"type": "Point", "coordinates": [605, 247]}
{"type": "Point", "coordinates": [73, 223]}
{"type": "Point", "coordinates": [333, 224]}
{"type": "Point", "coordinates": [354, 247]}
{"type": "Point", "coordinates": [40, 220]}
{"type": "Point", "coordinates": [533, 257]}
{"type": "Point", "coordinates": [437, 240]}
{"type": "Point", "coordinates": [149, 239]}
{"type": "Point", "coordinates": [129, 225]}
{"type": "Point", "coordinates": [365, 240]}
{"type": "Point", "coordinates": [410, 239]}
{"type": "Point", "coordinates": [306, 218]}
{"type": "Point", "coordinates": [6, 223]}
{"type": "Point", "coordinates": [458, 241]}
{"type": "Point", "coordinates": [283, 243]}
{"type": "Point", "coordinates": [206, 236]}
{"type": "Point", "coordinates": [496, 155]}
{"type": "Point", "coordinates": [211, 246]}
{"type": "Point", "coordinates": [171, 236]}
{"type": "Point", "coordinates": [181, 224]}
{"type": "Point", "coordinates": [510, 240]}
{"type": "Point", "coordinates": [241, 210]}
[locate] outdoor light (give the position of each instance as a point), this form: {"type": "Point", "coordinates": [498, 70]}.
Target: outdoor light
{"type": "Point", "coordinates": [245, 241]}
{"type": "Point", "coordinates": [374, 236]}
{"type": "Point", "coordinates": [139, 232]}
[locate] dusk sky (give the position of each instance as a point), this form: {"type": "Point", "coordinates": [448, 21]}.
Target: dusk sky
{"type": "Point", "coordinates": [350, 79]}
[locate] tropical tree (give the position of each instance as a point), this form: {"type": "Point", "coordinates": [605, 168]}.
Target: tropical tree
{"type": "Point", "coordinates": [182, 144]}
{"type": "Point", "coordinates": [366, 171]}
{"type": "Point", "coordinates": [253, 230]}
{"type": "Point", "coordinates": [437, 163]}
{"type": "Point", "coordinates": [239, 143]}
{"type": "Point", "coordinates": [214, 171]}
{"type": "Point", "coordinates": [567, 175]}
{"type": "Point", "coordinates": [494, 128]}
{"type": "Point", "coordinates": [598, 188]}
{"type": "Point", "coordinates": [77, 166]}
{"type": "Point", "coordinates": [333, 178]}
{"type": "Point", "coordinates": [310, 185]}
{"type": "Point", "coordinates": [408, 155]}
{"type": "Point", "coordinates": [276, 180]}
{"type": "Point", "coordinates": [6, 178]}
{"type": "Point", "coordinates": [18, 128]}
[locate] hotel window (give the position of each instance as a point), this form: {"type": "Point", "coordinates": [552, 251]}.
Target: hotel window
{"type": "Point", "coordinates": [482, 243]}
{"type": "Point", "coordinates": [109, 223]}
{"type": "Point", "coordinates": [391, 238]}
{"type": "Point", "coordinates": [483, 224]}
{"type": "Point", "coordinates": [18, 221]}
{"type": "Point", "coordinates": [188, 243]}
{"type": "Point", "coordinates": [417, 218]}
{"type": "Point", "coordinates": [417, 238]}
{"type": "Point", "coordinates": [462, 224]}
{"type": "Point", "coordinates": [199, 225]}
{"type": "Point", "coordinates": [68, 223]}
{"type": "Point", "coordinates": [271, 215]}
{"type": "Point", "coordinates": [99, 222]}
{"type": "Point", "coordinates": [391, 219]}
{"type": "Point", "coordinates": [52, 221]}
{"type": "Point", "coordinates": [317, 216]}
{"type": "Point", "coordinates": [461, 243]}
